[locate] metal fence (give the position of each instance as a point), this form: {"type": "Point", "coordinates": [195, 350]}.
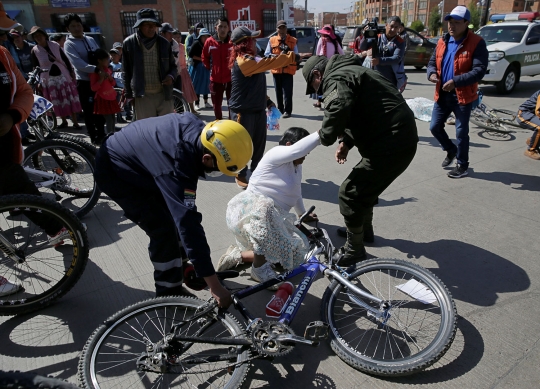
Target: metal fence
{"type": "Point", "coordinates": [269, 21]}
{"type": "Point", "coordinates": [206, 17]}
{"type": "Point", "coordinates": [128, 19]}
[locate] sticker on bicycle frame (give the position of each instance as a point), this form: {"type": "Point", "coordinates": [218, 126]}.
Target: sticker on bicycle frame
{"type": "Point", "coordinates": [41, 105]}
{"type": "Point", "coordinates": [417, 291]}
{"type": "Point", "coordinates": [189, 198]}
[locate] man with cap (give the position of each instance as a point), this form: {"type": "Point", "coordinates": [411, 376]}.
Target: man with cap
{"type": "Point", "coordinates": [457, 65]}
{"type": "Point", "coordinates": [151, 168]}
{"type": "Point", "coordinates": [149, 68]}
{"type": "Point", "coordinates": [284, 43]}
{"type": "Point", "coordinates": [166, 32]}
{"type": "Point", "coordinates": [249, 101]}
{"type": "Point", "coordinates": [363, 109]}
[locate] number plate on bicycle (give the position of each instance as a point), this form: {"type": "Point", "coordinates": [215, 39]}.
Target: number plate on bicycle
{"type": "Point", "coordinates": [41, 105]}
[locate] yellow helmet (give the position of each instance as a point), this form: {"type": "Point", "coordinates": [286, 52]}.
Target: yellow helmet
{"type": "Point", "coordinates": [230, 143]}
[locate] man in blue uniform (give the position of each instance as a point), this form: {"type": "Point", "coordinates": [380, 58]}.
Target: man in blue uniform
{"type": "Point", "coordinates": [151, 169]}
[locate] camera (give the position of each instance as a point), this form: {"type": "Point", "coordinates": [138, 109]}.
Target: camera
{"type": "Point", "coordinates": [372, 30]}
{"type": "Point", "coordinates": [371, 36]}
{"type": "Point", "coordinates": [284, 48]}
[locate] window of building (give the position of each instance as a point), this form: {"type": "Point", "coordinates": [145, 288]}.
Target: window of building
{"type": "Point", "coordinates": [207, 17]}
{"type": "Point", "coordinates": [202, 1]}
{"type": "Point", "coordinates": [410, 5]}
{"type": "Point", "coordinates": [422, 18]}
{"type": "Point", "coordinates": [422, 5]}
{"type": "Point", "coordinates": [269, 1]}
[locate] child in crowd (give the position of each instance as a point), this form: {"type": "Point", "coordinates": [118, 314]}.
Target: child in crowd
{"type": "Point", "coordinates": [187, 86]}
{"type": "Point", "coordinates": [105, 99]}
{"type": "Point", "coordinates": [116, 67]}
{"type": "Point", "coordinates": [260, 218]}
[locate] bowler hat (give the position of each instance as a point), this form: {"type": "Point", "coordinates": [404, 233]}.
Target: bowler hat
{"type": "Point", "coordinates": [242, 32]}
{"type": "Point", "coordinates": [35, 29]}
{"type": "Point", "coordinates": [146, 15]}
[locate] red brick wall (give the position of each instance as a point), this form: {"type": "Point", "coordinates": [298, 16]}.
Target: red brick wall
{"type": "Point", "coordinates": [107, 13]}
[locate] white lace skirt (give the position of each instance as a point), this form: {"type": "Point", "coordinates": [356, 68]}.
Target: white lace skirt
{"type": "Point", "coordinates": [263, 227]}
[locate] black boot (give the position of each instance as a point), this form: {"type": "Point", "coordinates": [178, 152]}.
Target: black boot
{"type": "Point", "coordinates": [369, 235]}
{"type": "Point", "coordinates": [353, 251]}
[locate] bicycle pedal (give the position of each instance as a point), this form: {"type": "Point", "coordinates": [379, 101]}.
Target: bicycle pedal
{"type": "Point", "coordinates": [316, 330]}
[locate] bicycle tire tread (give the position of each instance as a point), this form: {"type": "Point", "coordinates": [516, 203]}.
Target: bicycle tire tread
{"type": "Point", "coordinates": [81, 368]}
{"type": "Point", "coordinates": [83, 252]}
{"type": "Point", "coordinates": [380, 370]}
{"type": "Point", "coordinates": [60, 142]}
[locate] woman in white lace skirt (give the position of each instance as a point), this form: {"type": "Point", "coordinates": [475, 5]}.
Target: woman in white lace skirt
{"type": "Point", "coordinates": [260, 217]}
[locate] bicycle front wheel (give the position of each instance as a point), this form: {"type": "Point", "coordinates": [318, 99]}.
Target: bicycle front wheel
{"type": "Point", "coordinates": [415, 328]}
{"type": "Point", "coordinates": [487, 122]}
{"type": "Point", "coordinates": [74, 170]}
{"type": "Point", "coordinates": [109, 358]}
{"type": "Point", "coordinates": [180, 103]}
{"type": "Point", "coordinates": [43, 270]}
{"type": "Point", "coordinates": [507, 117]}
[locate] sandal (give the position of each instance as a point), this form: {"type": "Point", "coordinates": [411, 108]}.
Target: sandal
{"type": "Point", "coordinates": [63, 125]}
{"type": "Point", "coordinates": [77, 126]}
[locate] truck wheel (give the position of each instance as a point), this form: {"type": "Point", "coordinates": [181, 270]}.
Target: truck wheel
{"type": "Point", "coordinates": [509, 81]}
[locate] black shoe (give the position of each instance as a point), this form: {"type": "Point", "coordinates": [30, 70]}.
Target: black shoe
{"type": "Point", "coordinates": [458, 172]}
{"type": "Point", "coordinates": [129, 118]}
{"type": "Point", "coordinates": [450, 156]}
{"type": "Point", "coordinates": [350, 256]}
{"type": "Point", "coordinates": [120, 120]}
{"type": "Point", "coordinates": [369, 235]}
{"type": "Point", "coordinates": [286, 115]}
{"type": "Point", "coordinates": [26, 141]}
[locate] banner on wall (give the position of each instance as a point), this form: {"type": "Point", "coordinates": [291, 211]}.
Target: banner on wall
{"type": "Point", "coordinates": [288, 13]}
{"type": "Point", "coordinates": [70, 3]}
{"type": "Point", "coordinates": [244, 19]}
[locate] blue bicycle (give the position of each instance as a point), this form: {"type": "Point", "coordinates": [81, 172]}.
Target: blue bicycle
{"type": "Point", "coordinates": [384, 317]}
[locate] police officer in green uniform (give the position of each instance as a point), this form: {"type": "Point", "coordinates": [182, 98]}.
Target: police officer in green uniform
{"type": "Point", "coordinates": [362, 109]}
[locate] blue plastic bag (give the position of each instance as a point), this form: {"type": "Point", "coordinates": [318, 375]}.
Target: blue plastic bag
{"type": "Point", "coordinates": [272, 119]}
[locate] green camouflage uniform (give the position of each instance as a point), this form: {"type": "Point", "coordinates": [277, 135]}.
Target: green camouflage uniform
{"type": "Point", "coordinates": [371, 114]}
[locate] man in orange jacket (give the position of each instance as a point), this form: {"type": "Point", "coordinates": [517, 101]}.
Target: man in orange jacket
{"type": "Point", "coordinates": [457, 65]}
{"type": "Point", "coordinates": [284, 43]}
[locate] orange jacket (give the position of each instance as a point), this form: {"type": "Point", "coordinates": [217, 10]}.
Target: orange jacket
{"type": "Point", "coordinates": [468, 59]}
{"type": "Point", "coordinates": [290, 41]}
{"type": "Point", "coordinates": [22, 100]}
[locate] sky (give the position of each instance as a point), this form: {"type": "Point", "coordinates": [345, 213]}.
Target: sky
{"type": "Point", "coordinates": [317, 6]}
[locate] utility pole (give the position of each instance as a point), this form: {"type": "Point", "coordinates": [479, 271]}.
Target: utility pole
{"type": "Point", "coordinates": [278, 10]}
{"type": "Point", "coordinates": [305, 14]}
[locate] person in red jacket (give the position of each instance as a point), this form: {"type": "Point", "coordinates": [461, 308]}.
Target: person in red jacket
{"type": "Point", "coordinates": [215, 57]}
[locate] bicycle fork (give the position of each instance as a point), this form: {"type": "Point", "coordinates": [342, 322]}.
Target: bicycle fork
{"type": "Point", "coordinates": [381, 315]}
{"type": "Point", "coordinates": [11, 252]}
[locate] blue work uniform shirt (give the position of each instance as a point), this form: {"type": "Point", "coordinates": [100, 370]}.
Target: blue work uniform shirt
{"type": "Point", "coordinates": [448, 59]}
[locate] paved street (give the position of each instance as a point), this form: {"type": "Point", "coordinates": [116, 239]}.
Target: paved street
{"type": "Point", "coordinates": [478, 234]}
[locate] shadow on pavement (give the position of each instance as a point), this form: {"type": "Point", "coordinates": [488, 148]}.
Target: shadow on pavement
{"type": "Point", "coordinates": [472, 274]}
{"type": "Point", "coordinates": [431, 141]}
{"type": "Point", "coordinates": [515, 180]}
{"type": "Point", "coordinates": [465, 353]}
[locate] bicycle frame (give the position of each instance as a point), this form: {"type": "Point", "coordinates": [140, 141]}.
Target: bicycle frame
{"type": "Point", "coordinates": [313, 267]}
{"type": "Point", "coordinates": [50, 178]}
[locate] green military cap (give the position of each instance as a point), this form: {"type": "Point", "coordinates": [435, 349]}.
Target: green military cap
{"type": "Point", "coordinates": [308, 68]}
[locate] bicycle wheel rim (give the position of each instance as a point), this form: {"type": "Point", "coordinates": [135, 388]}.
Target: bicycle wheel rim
{"type": "Point", "coordinates": [149, 323]}
{"type": "Point", "coordinates": [416, 334]}
{"type": "Point", "coordinates": [48, 272]}
{"type": "Point", "coordinates": [485, 122]}
{"type": "Point", "coordinates": [180, 104]}
{"type": "Point", "coordinates": [76, 188]}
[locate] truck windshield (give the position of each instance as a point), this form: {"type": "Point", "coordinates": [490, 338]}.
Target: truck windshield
{"type": "Point", "coordinates": [501, 33]}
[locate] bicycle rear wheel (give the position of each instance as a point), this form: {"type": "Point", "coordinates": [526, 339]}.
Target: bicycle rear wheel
{"type": "Point", "coordinates": [489, 123]}
{"type": "Point", "coordinates": [180, 103]}
{"type": "Point", "coordinates": [75, 168]}
{"type": "Point", "coordinates": [109, 358]}
{"type": "Point", "coordinates": [29, 259]}
{"type": "Point", "coordinates": [507, 117]}
{"type": "Point", "coordinates": [418, 330]}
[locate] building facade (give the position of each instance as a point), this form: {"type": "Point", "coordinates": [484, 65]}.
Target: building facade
{"type": "Point", "coordinates": [114, 18]}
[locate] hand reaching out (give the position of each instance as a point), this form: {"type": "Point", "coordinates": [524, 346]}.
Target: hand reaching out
{"type": "Point", "coordinates": [341, 153]}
